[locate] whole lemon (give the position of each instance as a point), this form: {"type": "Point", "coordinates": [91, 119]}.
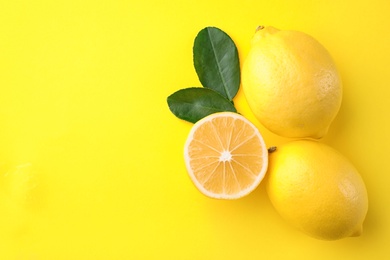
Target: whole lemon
{"type": "Point", "coordinates": [291, 83]}
{"type": "Point", "coordinates": [317, 189]}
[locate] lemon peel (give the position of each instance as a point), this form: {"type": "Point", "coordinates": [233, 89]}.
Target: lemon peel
{"type": "Point", "coordinates": [317, 190]}
{"type": "Point", "coordinates": [291, 83]}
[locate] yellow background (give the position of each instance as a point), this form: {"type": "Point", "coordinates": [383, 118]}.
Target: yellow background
{"type": "Point", "coordinates": [91, 163]}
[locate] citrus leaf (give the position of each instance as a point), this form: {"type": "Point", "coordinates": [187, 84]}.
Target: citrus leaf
{"type": "Point", "coordinates": [192, 104]}
{"type": "Point", "coordinates": [216, 61]}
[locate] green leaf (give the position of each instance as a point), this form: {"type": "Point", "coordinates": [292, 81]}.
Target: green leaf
{"type": "Point", "coordinates": [192, 104]}
{"type": "Point", "coordinates": [216, 61]}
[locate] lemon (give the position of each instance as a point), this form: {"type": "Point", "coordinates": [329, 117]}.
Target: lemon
{"type": "Point", "coordinates": [291, 83]}
{"type": "Point", "coordinates": [225, 156]}
{"type": "Point", "coordinates": [317, 190]}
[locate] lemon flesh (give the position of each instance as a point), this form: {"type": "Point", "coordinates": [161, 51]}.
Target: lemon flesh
{"type": "Point", "coordinates": [317, 190]}
{"type": "Point", "coordinates": [225, 156]}
{"type": "Point", "coordinates": [291, 83]}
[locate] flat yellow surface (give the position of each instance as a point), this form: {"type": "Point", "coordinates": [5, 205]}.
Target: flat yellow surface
{"type": "Point", "coordinates": [91, 158]}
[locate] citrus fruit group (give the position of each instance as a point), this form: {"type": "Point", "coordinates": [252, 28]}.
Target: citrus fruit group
{"type": "Point", "coordinates": [317, 189]}
{"type": "Point", "coordinates": [225, 156]}
{"type": "Point", "coordinates": [291, 83]}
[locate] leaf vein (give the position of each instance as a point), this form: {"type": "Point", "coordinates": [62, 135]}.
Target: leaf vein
{"type": "Point", "coordinates": [219, 67]}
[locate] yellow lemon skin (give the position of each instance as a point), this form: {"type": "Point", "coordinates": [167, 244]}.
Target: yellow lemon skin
{"type": "Point", "coordinates": [291, 83]}
{"type": "Point", "coordinates": [317, 190]}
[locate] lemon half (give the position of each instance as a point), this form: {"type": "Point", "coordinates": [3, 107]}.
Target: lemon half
{"type": "Point", "coordinates": [225, 155]}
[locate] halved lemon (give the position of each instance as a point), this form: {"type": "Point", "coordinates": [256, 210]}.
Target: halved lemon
{"type": "Point", "coordinates": [225, 156]}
